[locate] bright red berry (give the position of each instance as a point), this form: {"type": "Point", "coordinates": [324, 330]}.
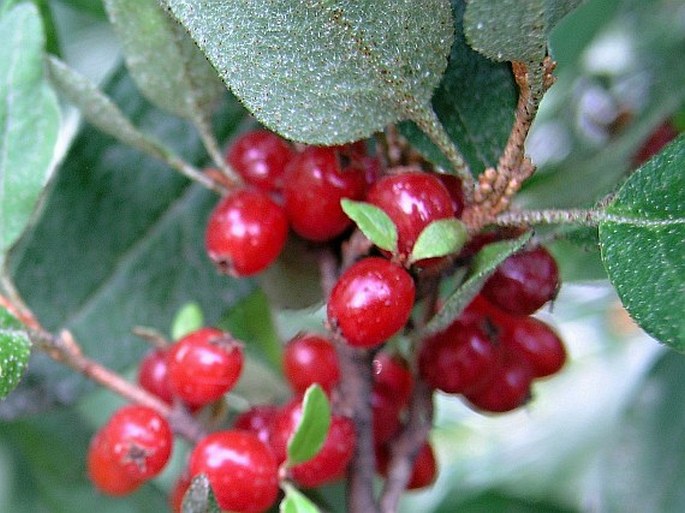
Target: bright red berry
{"type": "Point", "coordinates": [257, 420]}
{"type": "Point", "coordinates": [458, 359]}
{"type": "Point", "coordinates": [246, 232]}
{"type": "Point", "coordinates": [204, 365]}
{"type": "Point", "coordinates": [104, 472]}
{"type": "Point", "coordinates": [309, 359]}
{"type": "Point", "coordinates": [392, 378]}
{"type": "Point", "coordinates": [260, 157]}
{"type": "Point", "coordinates": [537, 343]}
{"type": "Point", "coordinates": [330, 462]}
{"type": "Point", "coordinates": [507, 389]}
{"type": "Point", "coordinates": [424, 471]}
{"type": "Point", "coordinates": [371, 301]}
{"type": "Point", "coordinates": [241, 469]}
{"type": "Point", "coordinates": [412, 200]}
{"type": "Point", "coordinates": [315, 182]}
{"type": "Point", "coordinates": [523, 282]}
{"type": "Point", "coordinates": [153, 375]}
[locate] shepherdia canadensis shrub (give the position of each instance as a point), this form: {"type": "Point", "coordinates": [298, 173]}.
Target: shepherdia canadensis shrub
{"type": "Point", "coordinates": [334, 224]}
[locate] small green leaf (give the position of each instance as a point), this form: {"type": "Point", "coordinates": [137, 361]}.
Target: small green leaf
{"type": "Point", "coordinates": [375, 224]}
{"type": "Point", "coordinates": [513, 30]}
{"type": "Point", "coordinates": [312, 430]}
{"type": "Point", "coordinates": [189, 318]}
{"type": "Point", "coordinates": [199, 498]}
{"type": "Point", "coordinates": [322, 71]}
{"type": "Point", "coordinates": [29, 120]}
{"type": "Point", "coordinates": [166, 65]}
{"type": "Point", "coordinates": [439, 238]}
{"type": "Point", "coordinates": [642, 243]}
{"type": "Point", "coordinates": [296, 502]}
{"type": "Point", "coordinates": [484, 264]}
{"type": "Point", "coordinates": [15, 349]}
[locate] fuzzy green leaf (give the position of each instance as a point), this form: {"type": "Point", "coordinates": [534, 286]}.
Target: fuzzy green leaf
{"type": "Point", "coordinates": [15, 349]}
{"type": "Point", "coordinates": [375, 224]}
{"type": "Point", "coordinates": [439, 238]}
{"type": "Point", "coordinates": [296, 502]}
{"type": "Point", "coordinates": [189, 318]}
{"type": "Point", "coordinates": [312, 429]}
{"type": "Point", "coordinates": [513, 30]}
{"type": "Point", "coordinates": [642, 243]}
{"type": "Point", "coordinates": [484, 264]}
{"type": "Point", "coordinates": [199, 498]}
{"type": "Point", "coordinates": [29, 121]}
{"type": "Point", "coordinates": [324, 71]}
{"type": "Point", "coordinates": [166, 65]}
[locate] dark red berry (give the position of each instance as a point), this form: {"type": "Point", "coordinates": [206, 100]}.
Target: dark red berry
{"type": "Point", "coordinates": [386, 419]}
{"type": "Point", "coordinates": [257, 420]}
{"type": "Point", "coordinates": [458, 359]}
{"type": "Point", "coordinates": [523, 282]}
{"type": "Point", "coordinates": [245, 232]}
{"type": "Point", "coordinates": [309, 359]}
{"type": "Point", "coordinates": [455, 189]}
{"type": "Point", "coordinates": [371, 301]}
{"type": "Point", "coordinates": [412, 200]}
{"type": "Point", "coordinates": [330, 462]}
{"type": "Point", "coordinates": [507, 389]}
{"type": "Point", "coordinates": [537, 343]}
{"type": "Point", "coordinates": [241, 469]}
{"type": "Point", "coordinates": [424, 471]}
{"type": "Point", "coordinates": [316, 180]}
{"type": "Point", "coordinates": [260, 157]}
{"type": "Point", "coordinates": [204, 365]}
{"type": "Point", "coordinates": [392, 378]}
{"type": "Point", "coordinates": [104, 472]}
{"type": "Point", "coordinates": [153, 375]}
{"type": "Point", "coordinates": [659, 138]}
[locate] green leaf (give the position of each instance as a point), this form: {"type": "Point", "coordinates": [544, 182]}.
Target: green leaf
{"type": "Point", "coordinates": [439, 238]}
{"type": "Point", "coordinates": [374, 223]}
{"type": "Point", "coordinates": [494, 500]}
{"type": "Point", "coordinates": [296, 502]}
{"type": "Point", "coordinates": [29, 121]}
{"type": "Point", "coordinates": [642, 245]}
{"type": "Point", "coordinates": [15, 349]}
{"type": "Point", "coordinates": [576, 251]}
{"type": "Point", "coordinates": [189, 318]}
{"type": "Point", "coordinates": [312, 429]}
{"type": "Point", "coordinates": [200, 498]}
{"type": "Point", "coordinates": [513, 30]}
{"type": "Point", "coordinates": [480, 128]}
{"type": "Point", "coordinates": [322, 71]}
{"type": "Point", "coordinates": [483, 265]}
{"type": "Point", "coordinates": [9, 321]}
{"type": "Point", "coordinates": [166, 65]}
{"type": "Point", "coordinates": [120, 244]}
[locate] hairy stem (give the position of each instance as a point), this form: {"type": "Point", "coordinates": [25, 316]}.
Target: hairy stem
{"type": "Point", "coordinates": [212, 146]}
{"type": "Point", "coordinates": [579, 217]}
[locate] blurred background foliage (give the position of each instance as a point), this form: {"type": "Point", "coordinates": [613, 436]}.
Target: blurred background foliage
{"type": "Point", "coordinates": [603, 436]}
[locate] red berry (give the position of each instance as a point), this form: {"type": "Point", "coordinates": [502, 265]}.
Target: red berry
{"type": "Point", "coordinates": [371, 301]}
{"type": "Point", "coordinates": [392, 378]}
{"type": "Point", "coordinates": [458, 359]}
{"type": "Point", "coordinates": [316, 180]}
{"type": "Point", "coordinates": [412, 200]}
{"type": "Point", "coordinates": [241, 469]}
{"type": "Point", "coordinates": [455, 189]}
{"type": "Point", "coordinates": [507, 389]}
{"type": "Point", "coordinates": [330, 462]}
{"type": "Point", "coordinates": [523, 282]}
{"type": "Point", "coordinates": [385, 417]}
{"type": "Point", "coordinates": [153, 375]}
{"type": "Point", "coordinates": [260, 157]}
{"type": "Point", "coordinates": [659, 138]}
{"type": "Point", "coordinates": [178, 492]}
{"type": "Point", "coordinates": [246, 232]}
{"type": "Point", "coordinates": [537, 343]}
{"type": "Point", "coordinates": [204, 365]}
{"type": "Point", "coordinates": [309, 359]}
{"type": "Point", "coordinates": [424, 471]}
{"type": "Point", "coordinates": [104, 472]}
{"type": "Point", "coordinates": [257, 420]}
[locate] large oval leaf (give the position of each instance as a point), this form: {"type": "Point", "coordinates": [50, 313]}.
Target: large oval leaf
{"type": "Point", "coordinates": [321, 71]}
{"type": "Point", "coordinates": [29, 120]}
{"type": "Point", "coordinates": [643, 245]}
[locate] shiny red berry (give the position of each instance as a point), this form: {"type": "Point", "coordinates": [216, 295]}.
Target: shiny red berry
{"type": "Point", "coordinates": [241, 469]}
{"type": "Point", "coordinates": [330, 462]}
{"type": "Point", "coordinates": [260, 158]}
{"type": "Point", "coordinates": [153, 375]}
{"type": "Point", "coordinates": [537, 343]}
{"type": "Point", "coordinates": [257, 420]}
{"type": "Point", "coordinates": [424, 470]}
{"type": "Point", "coordinates": [204, 365]}
{"type": "Point", "coordinates": [412, 200]}
{"type": "Point", "coordinates": [371, 301]}
{"type": "Point", "coordinates": [507, 389]}
{"type": "Point", "coordinates": [104, 472]}
{"type": "Point", "coordinates": [246, 232]}
{"type": "Point", "coordinates": [458, 359]}
{"type": "Point", "coordinates": [315, 182]}
{"type": "Point", "coordinates": [392, 378]}
{"type": "Point", "coordinates": [308, 359]}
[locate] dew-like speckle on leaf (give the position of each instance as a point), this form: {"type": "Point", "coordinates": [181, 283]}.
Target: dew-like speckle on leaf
{"type": "Point", "coordinates": [15, 350]}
